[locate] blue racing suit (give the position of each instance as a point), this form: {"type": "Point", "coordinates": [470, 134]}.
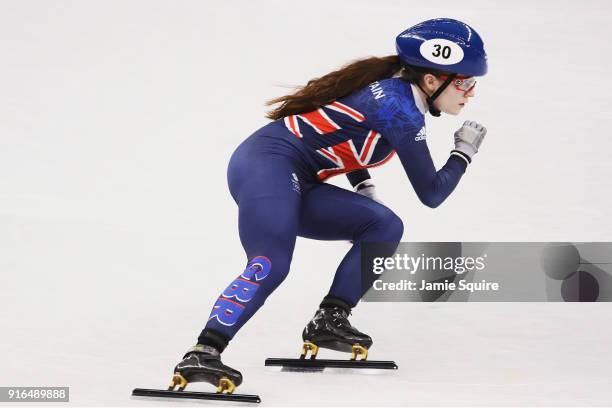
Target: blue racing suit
{"type": "Point", "coordinates": [276, 176]}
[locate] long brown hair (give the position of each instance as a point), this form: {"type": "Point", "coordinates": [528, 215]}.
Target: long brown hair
{"type": "Point", "coordinates": [346, 80]}
{"type": "Point", "coordinates": [335, 85]}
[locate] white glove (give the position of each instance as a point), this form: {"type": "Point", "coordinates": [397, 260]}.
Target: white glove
{"type": "Point", "coordinates": [468, 139]}
{"type": "Point", "coordinates": [367, 188]}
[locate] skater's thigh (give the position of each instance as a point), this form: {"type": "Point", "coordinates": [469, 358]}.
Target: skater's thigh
{"type": "Point", "coordinates": [333, 213]}
{"type": "Point", "coordinates": [269, 205]}
{"type": "Point", "coordinates": [268, 224]}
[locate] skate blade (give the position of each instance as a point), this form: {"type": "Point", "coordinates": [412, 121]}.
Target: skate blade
{"type": "Point", "coordinates": [143, 392]}
{"type": "Point", "coordinates": [301, 363]}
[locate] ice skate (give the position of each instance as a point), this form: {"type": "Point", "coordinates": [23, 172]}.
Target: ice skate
{"type": "Point", "coordinates": [330, 329]}
{"type": "Point", "coordinates": [202, 364]}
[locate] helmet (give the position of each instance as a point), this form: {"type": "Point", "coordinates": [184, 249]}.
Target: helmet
{"type": "Point", "coordinates": [444, 44]}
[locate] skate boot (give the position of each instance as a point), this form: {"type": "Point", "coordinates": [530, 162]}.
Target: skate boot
{"type": "Point", "coordinates": [330, 328]}
{"type": "Point", "coordinates": [203, 364]}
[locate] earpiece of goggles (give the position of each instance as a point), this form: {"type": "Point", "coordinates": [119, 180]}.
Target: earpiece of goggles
{"type": "Point", "coordinates": [463, 84]}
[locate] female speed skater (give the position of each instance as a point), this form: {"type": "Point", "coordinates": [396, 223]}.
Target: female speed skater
{"type": "Point", "coordinates": [342, 123]}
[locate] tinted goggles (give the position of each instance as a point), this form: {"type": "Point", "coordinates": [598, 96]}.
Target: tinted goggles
{"type": "Point", "coordinates": [463, 84]}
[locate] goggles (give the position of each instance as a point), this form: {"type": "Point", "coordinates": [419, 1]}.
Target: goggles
{"type": "Point", "coordinates": [462, 83]}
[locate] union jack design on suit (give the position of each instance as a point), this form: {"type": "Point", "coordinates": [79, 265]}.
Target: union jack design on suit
{"type": "Point", "coordinates": [348, 131]}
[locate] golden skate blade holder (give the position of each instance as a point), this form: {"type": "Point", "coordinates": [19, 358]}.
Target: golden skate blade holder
{"type": "Point", "coordinates": [226, 386]}
{"type": "Point", "coordinates": [313, 348]}
{"type": "Point", "coordinates": [359, 350]}
{"type": "Point", "coordinates": [179, 380]}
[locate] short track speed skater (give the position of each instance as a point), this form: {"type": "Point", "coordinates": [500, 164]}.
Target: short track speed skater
{"type": "Point", "coordinates": [330, 329]}
{"type": "Point", "coordinates": [202, 364]}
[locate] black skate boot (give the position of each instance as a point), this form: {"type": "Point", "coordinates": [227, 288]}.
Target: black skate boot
{"type": "Point", "coordinates": [330, 328]}
{"type": "Point", "coordinates": [203, 364]}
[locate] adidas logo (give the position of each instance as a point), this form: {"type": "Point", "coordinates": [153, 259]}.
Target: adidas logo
{"type": "Point", "coordinates": [421, 135]}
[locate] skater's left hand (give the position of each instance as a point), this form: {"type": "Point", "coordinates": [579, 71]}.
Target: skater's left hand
{"type": "Point", "coordinates": [469, 138]}
{"type": "Point", "coordinates": [368, 189]}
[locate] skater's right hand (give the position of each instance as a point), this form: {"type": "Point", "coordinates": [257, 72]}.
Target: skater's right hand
{"type": "Point", "coordinates": [469, 138]}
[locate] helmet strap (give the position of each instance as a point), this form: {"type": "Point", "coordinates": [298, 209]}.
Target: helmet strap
{"type": "Point", "coordinates": [430, 99]}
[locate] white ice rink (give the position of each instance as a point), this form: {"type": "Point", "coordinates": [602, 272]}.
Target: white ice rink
{"type": "Point", "coordinates": [117, 231]}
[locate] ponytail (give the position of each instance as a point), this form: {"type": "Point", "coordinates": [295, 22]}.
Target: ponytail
{"type": "Point", "coordinates": [335, 85]}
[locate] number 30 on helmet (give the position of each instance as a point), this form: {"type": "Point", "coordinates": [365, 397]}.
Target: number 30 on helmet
{"type": "Point", "coordinates": [444, 44]}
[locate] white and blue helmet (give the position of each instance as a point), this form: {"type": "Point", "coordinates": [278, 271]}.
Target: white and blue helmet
{"type": "Point", "coordinates": [443, 44]}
